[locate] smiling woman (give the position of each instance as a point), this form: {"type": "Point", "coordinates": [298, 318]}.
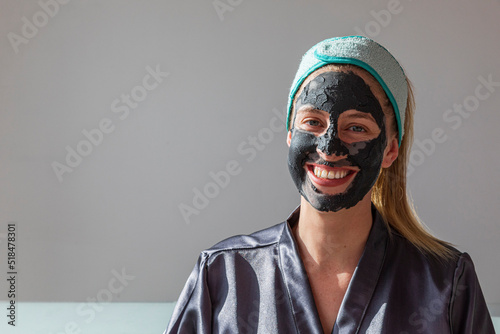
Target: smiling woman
{"type": "Point", "coordinates": [345, 101]}
{"type": "Point", "coordinates": [353, 257]}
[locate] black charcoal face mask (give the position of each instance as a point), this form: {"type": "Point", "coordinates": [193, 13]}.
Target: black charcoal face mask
{"type": "Point", "coordinates": [335, 93]}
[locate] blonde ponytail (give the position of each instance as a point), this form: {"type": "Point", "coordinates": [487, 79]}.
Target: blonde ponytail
{"type": "Point", "coordinates": [390, 197]}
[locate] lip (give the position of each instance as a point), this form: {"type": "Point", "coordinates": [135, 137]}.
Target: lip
{"type": "Point", "coordinates": [329, 182]}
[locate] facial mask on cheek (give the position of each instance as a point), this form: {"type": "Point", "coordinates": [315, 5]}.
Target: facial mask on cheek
{"type": "Point", "coordinates": [335, 93]}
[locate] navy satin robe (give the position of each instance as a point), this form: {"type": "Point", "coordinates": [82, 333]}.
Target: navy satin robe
{"type": "Point", "coordinates": [258, 284]}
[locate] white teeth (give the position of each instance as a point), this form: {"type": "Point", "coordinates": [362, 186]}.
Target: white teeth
{"type": "Point", "coordinates": [324, 174]}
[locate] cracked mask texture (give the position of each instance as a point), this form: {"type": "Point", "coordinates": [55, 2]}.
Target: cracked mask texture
{"type": "Point", "coordinates": [335, 93]}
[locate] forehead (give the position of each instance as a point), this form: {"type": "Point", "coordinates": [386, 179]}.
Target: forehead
{"type": "Point", "coordinates": [336, 92]}
{"type": "Point", "coordinates": [375, 87]}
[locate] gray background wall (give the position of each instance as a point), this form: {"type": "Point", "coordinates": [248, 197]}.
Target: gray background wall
{"type": "Point", "coordinates": [228, 79]}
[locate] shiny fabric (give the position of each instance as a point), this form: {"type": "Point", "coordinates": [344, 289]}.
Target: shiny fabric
{"type": "Point", "coordinates": [258, 284]}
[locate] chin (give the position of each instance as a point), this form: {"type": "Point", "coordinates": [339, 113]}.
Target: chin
{"type": "Point", "coordinates": [324, 202]}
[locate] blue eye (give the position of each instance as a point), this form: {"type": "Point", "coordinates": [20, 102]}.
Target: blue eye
{"type": "Point", "coordinates": [357, 128]}
{"type": "Point", "coordinates": [313, 122]}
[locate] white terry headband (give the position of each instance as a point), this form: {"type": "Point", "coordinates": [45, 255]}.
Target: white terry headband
{"type": "Point", "coordinates": [365, 53]}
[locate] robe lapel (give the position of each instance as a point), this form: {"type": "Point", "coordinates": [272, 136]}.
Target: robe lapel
{"type": "Point", "coordinates": [299, 291]}
{"type": "Point", "coordinates": [365, 278]}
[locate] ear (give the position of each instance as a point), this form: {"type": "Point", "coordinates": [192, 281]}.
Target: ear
{"type": "Point", "coordinates": [391, 152]}
{"type": "Point", "coordinates": [289, 138]}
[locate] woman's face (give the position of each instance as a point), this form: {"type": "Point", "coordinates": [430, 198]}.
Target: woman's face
{"type": "Point", "coordinates": [338, 140]}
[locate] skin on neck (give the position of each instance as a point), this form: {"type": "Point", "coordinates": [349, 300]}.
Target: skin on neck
{"type": "Point", "coordinates": [333, 240]}
{"type": "Point", "coordinates": [330, 246]}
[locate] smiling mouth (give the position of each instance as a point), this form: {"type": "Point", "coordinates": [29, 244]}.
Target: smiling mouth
{"type": "Point", "coordinates": [327, 176]}
{"type": "Point", "coordinates": [330, 174]}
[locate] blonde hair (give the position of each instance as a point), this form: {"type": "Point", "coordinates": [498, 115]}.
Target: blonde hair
{"type": "Point", "coordinates": [390, 197]}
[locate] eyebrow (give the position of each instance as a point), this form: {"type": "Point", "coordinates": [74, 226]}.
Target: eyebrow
{"type": "Point", "coordinates": [311, 110]}
{"type": "Point", "coordinates": [357, 114]}
{"type": "Point", "coordinates": [361, 114]}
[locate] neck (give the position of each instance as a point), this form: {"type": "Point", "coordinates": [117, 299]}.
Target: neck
{"type": "Point", "coordinates": [333, 240]}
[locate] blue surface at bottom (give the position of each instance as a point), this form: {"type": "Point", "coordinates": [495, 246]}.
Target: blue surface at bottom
{"type": "Point", "coordinates": [87, 318]}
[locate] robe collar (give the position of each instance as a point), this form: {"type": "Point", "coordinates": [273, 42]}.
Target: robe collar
{"type": "Point", "coordinates": [359, 292]}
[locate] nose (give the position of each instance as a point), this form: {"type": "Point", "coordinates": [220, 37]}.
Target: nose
{"type": "Point", "coordinates": [330, 144]}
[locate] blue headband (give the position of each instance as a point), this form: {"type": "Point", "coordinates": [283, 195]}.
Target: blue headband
{"type": "Point", "coordinates": [365, 53]}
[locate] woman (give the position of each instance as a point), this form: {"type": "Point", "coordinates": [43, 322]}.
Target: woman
{"type": "Point", "coordinates": [353, 257]}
